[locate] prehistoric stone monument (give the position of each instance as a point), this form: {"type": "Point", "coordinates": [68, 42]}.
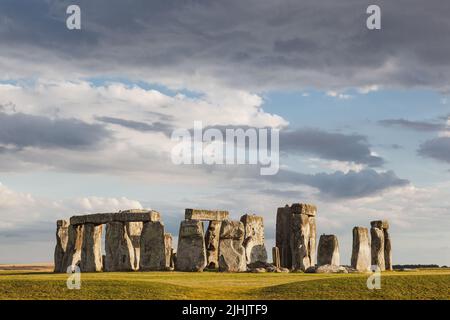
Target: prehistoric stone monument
{"type": "Point", "coordinates": [135, 240]}
{"type": "Point", "coordinates": [361, 259]}
{"type": "Point", "coordinates": [255, 249]}
{"type": "Point", "coordinates": [328, 251]}
{"type": "Point", "coordinates": [381, 245]}
{"type": "Point", "coordinates": [296, 236]}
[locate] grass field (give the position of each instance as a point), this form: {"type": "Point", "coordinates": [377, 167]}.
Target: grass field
{"type": "Point", "coordinates": [40, 283]}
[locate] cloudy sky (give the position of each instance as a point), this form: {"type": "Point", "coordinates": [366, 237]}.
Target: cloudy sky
{"type": "Point", "coordinates": [86, 115]}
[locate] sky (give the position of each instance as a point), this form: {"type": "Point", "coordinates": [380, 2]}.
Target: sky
{"type": "Point", "coordinates": [86, 115]}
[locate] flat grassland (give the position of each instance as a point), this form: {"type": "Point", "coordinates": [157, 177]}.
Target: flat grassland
{"type": "Point", "coordinates": [22, 282]}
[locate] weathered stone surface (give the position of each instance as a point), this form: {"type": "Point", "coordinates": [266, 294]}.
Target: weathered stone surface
{"type": "Point", "coordinates": [303, 235]}
{"type": "Point", "coordinates": [133, 231]}
{"type": "Point", "coordinates": [377, 248]}
{"type": "Point", "coordinates": [387, 250]}
{"type": "Point", "coordinates": [380, 224]}
{"type": "Point", "coordinates": [283, 236]}
{"type": "Point", "coordinates": [153, 253]}
{"type": "Point", "coordinates": [231, 249]}
{"type": "Point", "coordinates": [212, 244]}
{"type": "Point", "coordinates": [133, 215]}
{"type": "Point", "coordinates": [331, 268]}
{"type": "Point", "coordinates": [168, 250]}
{"type": "Point", "coordinates": [328, 252]}
{"type": "Point", "coordinates": [361, 252]}
{"type": "Point", "coordinates": [72, 257]}
{"type": "Point", "coordinates": [303, 208]}
{"type": "Point", "coordinates": [62, 237]}
{"type": "Point", "coordinates": [209, 215]}
{"type": "Point", "coordinates": [119, 248]}
{"type": "Point", "coordinates": [276, 257]}
{"type": "Point", "coordinates": [300, 234]}
{"type": "Point", "coordinates": [191, 251]}
{"type": "Point", "coordinates": [91, 252]}
{"type": "Point", "coordinates": [255, 249]}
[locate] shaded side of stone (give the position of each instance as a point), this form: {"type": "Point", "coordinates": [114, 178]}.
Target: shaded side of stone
{"type": "Point", "coordinates": [191, 251]}
{"type": "Point", "coordinates": [62, 237]}
{"type": "Point", "coordinates": [328, 251]}
{"type": "Point", "coordinates": [255, 249]}
{"type": "Point", "coordinates": [153, 253]}
{"type": "Point", "coordinates": [72, 256]}
{"type": "Point", "coordinates": [91, 253]}
{"type": "Point", "coordinates": [212, 244]}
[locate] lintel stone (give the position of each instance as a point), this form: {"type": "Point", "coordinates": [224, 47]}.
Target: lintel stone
{"type": "Point", "coordinates": [208, 215]}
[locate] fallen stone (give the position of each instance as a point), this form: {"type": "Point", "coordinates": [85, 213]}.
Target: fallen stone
{"type": "Point", "coordinates": [153, 252]}
{"type": "Point", "coordinates": [361, 252]}
{"type": "Point", "coordinates": [62, 237]}
{"type": "Point", "coordinates": [328, 252]}
{"type": "Point", "coordinates": [328, 268]}
{"type": "Point", "coordinates": [191, 251]}
{"type": "Point", "coordinates": [209, 215]}
{"type": "Point", "coordinates": [91, 252]}
{"type": "Point", "coordinates": [231, 249]}
{"type": "Point", "coordinates": [254, 246]}
{"type": "Point", "coordinates": [212, 244]}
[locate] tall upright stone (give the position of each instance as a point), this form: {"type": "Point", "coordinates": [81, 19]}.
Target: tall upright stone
{"type": "Point", "coordinates": [296, 235]}
{"type": "Point", "coordinates": [276, 257]}
{"type": "Point", "coordinates": [212, 244]}
{"type": "Point", "coordinates": [91, 252]}
{"type": "Point", "coordinates": [133, 232]}
{"type": "Point", "coordinates": [377, 245]}
{"type": "Point", "coordinates": [387, 250]}
{"type": "Point", "coordinates": [153, 251]}
{"type": "Point", "coordinates": [72, 256]}
{"type": "Point", "coordinates": [328, 251]}
{"type": "Point", "coordinates": [255, 249]}
{"type": "Point", "coordinates": [300, 233]}
{"type": "Point", "coordinates": [231, 249]}
{"type": "Point", "coordinates": [120, 253]}
{"type": "Point", "coordinates": [361, 250]}
{"type": "Point", "coordinates": [168, 250]}
{"type": "Point", "coordinates": [62, 237]}
{"type": "Point", "coordinates": [191, 251]}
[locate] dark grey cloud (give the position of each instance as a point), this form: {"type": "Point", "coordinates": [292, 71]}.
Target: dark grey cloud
{"type": "Point", "coordinates": [138, 125]}
{"type": "Point", "coordinates": [25, 130]}
{"type": "Point", "coordinates": [437, 148]}
{"type": "Point", "coordinates": [330, 146]}
{"type": "Point", "coordinates": [343, 185]}
{"type": "Point", "coordinates": [253, 43]}
{"type": "Point", "coordinates": [413, 125]}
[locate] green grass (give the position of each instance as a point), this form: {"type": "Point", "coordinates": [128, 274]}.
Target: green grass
{"type": "Point", "coordinates": [425, 284]}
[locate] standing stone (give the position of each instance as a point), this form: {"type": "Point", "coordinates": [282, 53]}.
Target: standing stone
{"type": "Point", "coordinates": [283, 236]}
{"type": "Point", "coordinates": [120, 254]}
{"type": "Point", "coordinates": [377, 245]}
{"type": "Point", "coordinates": [62, 237]}
{"type": "Point", "coordinates": [212, 244]}
{"type": "Point", "coordinates": [168, 250]}
{"type": "Point", "coordinates": [296, 240]}
{"type": "Point", "coordinates": [387, 250]}
{"type": "Point", "coordinates": [153, 252]}
{"type": "Point", "coordinates": [231, 249]}
{"type": "Point", "coordinates": [191, 251]}
{"type": "Point", "coordinates": [72, 257]}
{"type": "Point", "coordinates": [255, 249]}
{"type": "Point", "coordinates": [276, 257]}
{"type": "Point", "coordinates": [328, 252]}
{"type": "Point", "coordinates": [361, 252]}
{"type": "Point", "coordinates": [91, 252]}
{"type": "Point", "coordinates": [300, 233]}
{"type": "Point", "coordinates": [133, 232]}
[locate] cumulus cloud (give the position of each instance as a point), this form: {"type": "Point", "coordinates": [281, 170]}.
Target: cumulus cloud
{"type": "Point", "coordinates": [252, 44]}
{"type": "Point", "coordinates": [332, 146]}
{"type": "Point", "coordinates": [352, 184]}
{"type": "Point", "coordinates": [437, 148]}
